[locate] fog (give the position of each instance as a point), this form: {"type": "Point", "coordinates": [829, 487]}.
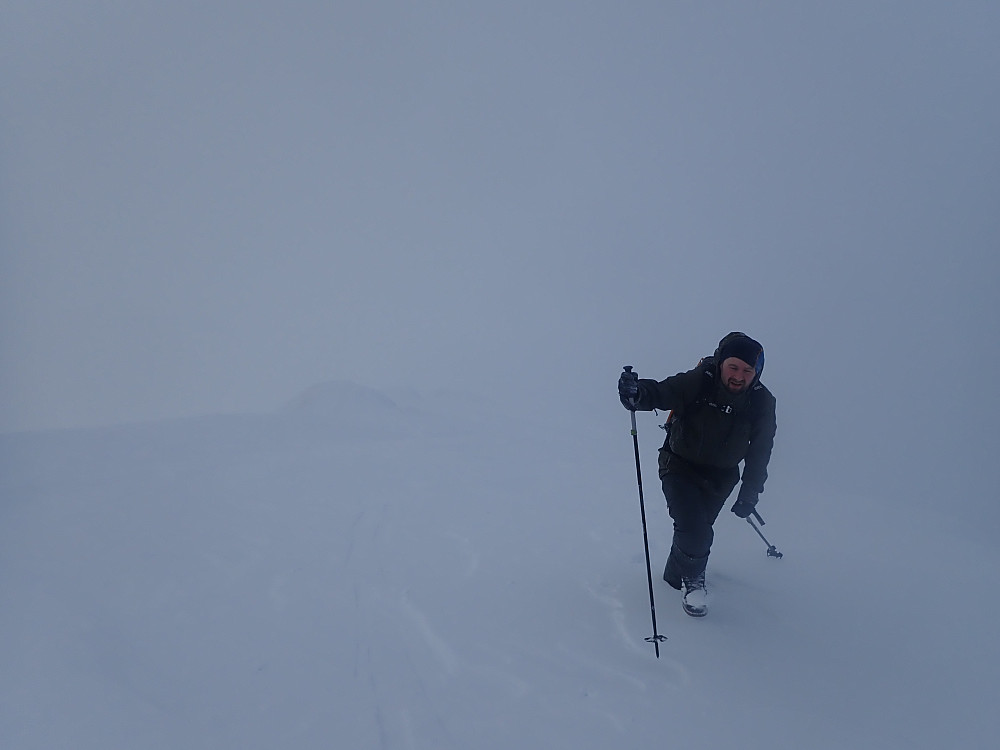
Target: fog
{"type": "Point", "coordinates": [208, 207]}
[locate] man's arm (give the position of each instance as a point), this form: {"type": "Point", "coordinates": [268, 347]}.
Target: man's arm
{"type": "Point", "coordinates": [671, 393]}
{"type": "Point", "coordinates": [761, 443]}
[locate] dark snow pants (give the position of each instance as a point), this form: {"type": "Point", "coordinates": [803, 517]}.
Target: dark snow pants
{"type": "Point", "coordinates": [693, 505]}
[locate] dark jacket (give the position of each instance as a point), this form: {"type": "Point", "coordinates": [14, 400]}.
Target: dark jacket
{"type": "Point", "coordinates": [710, 430]}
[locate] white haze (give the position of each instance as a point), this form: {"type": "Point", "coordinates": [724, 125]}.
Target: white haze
{"type": "Point", "coordinates": [205, 208]}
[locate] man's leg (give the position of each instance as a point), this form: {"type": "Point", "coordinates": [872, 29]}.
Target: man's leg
{"type": "Point", "coordinates": [693, 513]}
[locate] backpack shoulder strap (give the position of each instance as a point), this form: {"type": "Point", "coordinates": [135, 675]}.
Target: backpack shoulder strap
{"type": "Point", "coordinates": [707, 367]}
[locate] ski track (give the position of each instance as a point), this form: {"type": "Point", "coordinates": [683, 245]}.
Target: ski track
{"type": "Point", "coordinates": [352, 537]}
{"type": "Point", "coordinates": [397, 705]}
{"type": "Point", "coordinates": [627, 635]}
{"type": "Point", "coordinates": [399, 637]}
{"type": "Point", "coordinates": [617, 614]}
{"type": "Point", "coordinates": [438, 646]}
{"type": "Point", "coordinates": [576, 655]}
{"type": "Point", "coordinates": [469, 555]}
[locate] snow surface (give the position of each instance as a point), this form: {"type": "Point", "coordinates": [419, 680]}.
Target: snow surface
{"type": "Point", "coordinates": [368, 569]}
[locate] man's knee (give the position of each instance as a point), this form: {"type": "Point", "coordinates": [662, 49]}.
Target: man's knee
{"type": "Point", "coordinates": [683, 496]}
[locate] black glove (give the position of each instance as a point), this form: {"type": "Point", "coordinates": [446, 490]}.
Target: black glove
{"type": "Point", "coordinates": [745, 502]}
{"type": "Point", "coordinates": [628, 389]}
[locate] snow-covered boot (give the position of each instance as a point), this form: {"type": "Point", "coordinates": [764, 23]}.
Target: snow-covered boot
{"type": "Point", "coordinates": [695, 600]}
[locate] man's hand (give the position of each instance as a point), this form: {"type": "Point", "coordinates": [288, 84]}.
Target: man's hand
{"type": "Point", "coordinates": [628, 389]}
{"type": "Point", "coordinates": [745, 502]}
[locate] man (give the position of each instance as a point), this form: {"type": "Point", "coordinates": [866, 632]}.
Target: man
{"type": "Point", "coordinates": [720, 414]}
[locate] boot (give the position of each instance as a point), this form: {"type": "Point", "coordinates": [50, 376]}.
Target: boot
{"type": "Point", "coordinates": [695, 601]}
{"type": "Point", "coordinates": [680, 564]}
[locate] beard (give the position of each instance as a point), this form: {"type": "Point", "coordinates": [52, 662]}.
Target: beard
{"type": "Point", "coordinates": [736, 386]}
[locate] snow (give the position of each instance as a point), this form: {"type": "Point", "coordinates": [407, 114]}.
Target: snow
{"type": "Point", "coordinates": [366, 569]}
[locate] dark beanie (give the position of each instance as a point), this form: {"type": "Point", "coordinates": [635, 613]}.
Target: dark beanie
{"type": "Point", "coordinates": [742, 347]}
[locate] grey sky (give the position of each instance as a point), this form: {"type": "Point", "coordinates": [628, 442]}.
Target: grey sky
{"type": "Point", "coordinates": [210, 206]}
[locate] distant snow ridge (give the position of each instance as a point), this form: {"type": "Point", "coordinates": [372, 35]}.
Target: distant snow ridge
{"type": "Point", "coordinates": [333, 397]}
{"type": "Point", "coordinates": [352, 408]}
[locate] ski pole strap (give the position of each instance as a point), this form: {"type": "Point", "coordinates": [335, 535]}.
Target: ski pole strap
{"type": "Point", "coordinates": [756, 515]}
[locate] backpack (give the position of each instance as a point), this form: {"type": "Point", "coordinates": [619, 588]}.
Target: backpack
{"type": "Point", "coordinates": [706, 393]}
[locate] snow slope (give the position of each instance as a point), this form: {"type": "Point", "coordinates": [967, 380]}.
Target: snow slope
{"type": "Point", "coordinates": [393, 570]}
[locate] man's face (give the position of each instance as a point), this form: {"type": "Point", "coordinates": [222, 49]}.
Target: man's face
{"type": "Point", "coordinates": [737, 374]}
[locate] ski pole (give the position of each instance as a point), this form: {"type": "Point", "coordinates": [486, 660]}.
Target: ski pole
{"type": "Point", "coordinates": [771, 551]}
{"type": "Point", "coordinates": [656, 638]}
